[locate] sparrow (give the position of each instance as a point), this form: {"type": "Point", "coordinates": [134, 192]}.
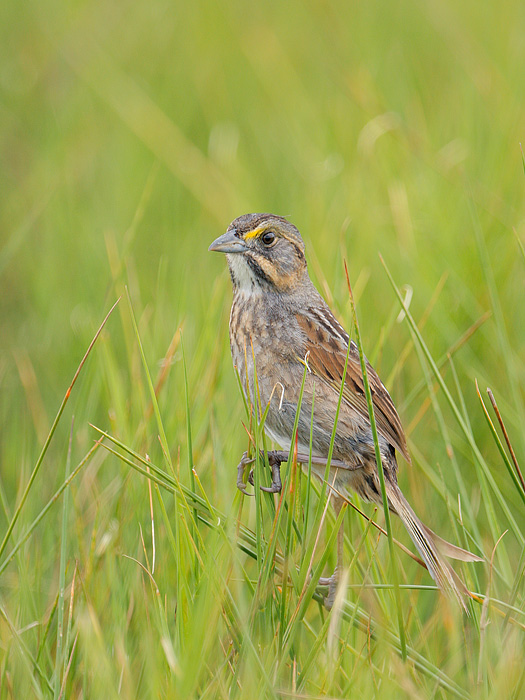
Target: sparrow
{"type": "Point", "coordinates": [279, 323]}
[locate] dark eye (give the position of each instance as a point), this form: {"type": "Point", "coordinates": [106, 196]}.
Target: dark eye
{"type": "Point", "coordinates": [268, 237]}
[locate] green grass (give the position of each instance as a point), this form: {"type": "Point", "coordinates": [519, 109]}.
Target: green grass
{"type": "Point", "coordinates": [131, 134]}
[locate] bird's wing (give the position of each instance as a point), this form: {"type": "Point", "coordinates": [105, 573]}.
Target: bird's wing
{"type": "Point", "coordinates": [326, 347]}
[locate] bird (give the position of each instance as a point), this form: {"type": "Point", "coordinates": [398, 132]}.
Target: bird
{"type": "Point", "coordinates": [280, 325]}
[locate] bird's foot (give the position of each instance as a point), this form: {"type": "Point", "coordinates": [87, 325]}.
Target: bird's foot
{"type": "Point", "coordinates": [240, 473]}
{"type": "Point", "coordinates": [275, 464]}
{"type": "Point", "coordinates": [274, 460]}
{"type": "Point", "coordinates": [333, 583]}
{"type": "Point", "coordinates": [325, 580]}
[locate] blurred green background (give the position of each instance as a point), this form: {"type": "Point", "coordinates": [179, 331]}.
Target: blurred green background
{"type": "Point", "coordinates": [131, 134]}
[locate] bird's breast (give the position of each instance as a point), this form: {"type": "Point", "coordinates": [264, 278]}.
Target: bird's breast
{"type": "Point", "coordinates": [265, 341]}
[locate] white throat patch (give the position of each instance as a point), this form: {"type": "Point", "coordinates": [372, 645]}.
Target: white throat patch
{"type": "Point", "coordinates": [242, 273]}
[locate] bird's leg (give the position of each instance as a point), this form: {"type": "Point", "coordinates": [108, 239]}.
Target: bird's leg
{"type": "Point", "coordinates": [240, 473]}
{"type": "Point", "coordinates": [275, 463]}
{"type": "Point", "coordinates": [333, 580]}
{"type": "Point", "coordinates": [275, 458]}
{"type": "Point", "coordinates": [303, 458]}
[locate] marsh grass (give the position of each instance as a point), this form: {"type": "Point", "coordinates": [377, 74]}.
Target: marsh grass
{"type": "Point", "coordinates": [130, 565]}
{"type": "Point", "coordinates": [215, 608]}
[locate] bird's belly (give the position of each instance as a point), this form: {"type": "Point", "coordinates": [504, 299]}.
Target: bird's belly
{"type": "Point", "coordinates": [343, 480]}
{"type": "Point", "coordinates": [353, 443]}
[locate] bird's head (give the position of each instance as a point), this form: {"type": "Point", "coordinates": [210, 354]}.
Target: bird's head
{"type": "Point", "coordinates": [264, 252]}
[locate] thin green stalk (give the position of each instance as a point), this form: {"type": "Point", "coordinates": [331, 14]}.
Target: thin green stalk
{"type": "Point", "coordinates": [157, 475]}
{"type": "Point", "coordinates": [326, 480]}
{"type": "Point", "coordinates": [442, 361]}
{"type": "Point", "coordinates": [152, 472]}
{"type": "Point", "coordinates": [520, 571]}
{"type": "Point", "coordinates": [29, 660]}
{"type": "Point", "coordinates": [312, 655]}
{"type": "Point", "coordinates": [46, 508]}
{"type": "Point", "coordinates": [247, 545]}
{"type": "Point", "coordinates": [288, 547]}
{"type": "Point", "coordinates": [473, 571]}
{"type": "Point", "coordinates": [167, 521]}
{"type": "Point", "coordinates": [507, 439]}
{"type": "Point", "coordinates": [470, 439]}
{"type": "Point", "coordinates": [241, 391]}
{"type": "Point", "coordinates": [320, 639]}
{"type": "Point", "coordinates": [188, 418]}
{"type": "Point", "coordinates": [520, 244]}
{"type": "Point", "coordinates": [193, 524]}
{"type": "Point", "coordinates": [40, 459]}
{"type": "Point", "coordinates": [181, 584]}
{"type": "Point", "coordinates": [62, 574]}
{"type": "Point", "coordinates": [334, 430]}
{"type": "Point", "coordinates": [42, 644]}
{"type": "Point", "coordinates": [248, 644]}
{"type": "Point", "coordinates": [276, 526]}
{"type": "Point", "coordinates": [380, 470]}
{"type": "Point", "coordinates": [69, 627]}
{"type": "Point", "coordinates": [257, 475]}
{"type": "Point", "coordinates": [364, 623]}
{"type": "Point", "coordinates": [309, 475]}
{"type": "Point", "coordinates": [509, 363]}
{"type": "Point", "coordinates": [308, 593]}
{"type": "Point", "coordinates": [445, 435]}
{"type": "Point", "coordinates": [169, 652]}
{"type": "Point", "coordinates": [153, 396]}
{"type": "Point", "coordinates": [506, 460]}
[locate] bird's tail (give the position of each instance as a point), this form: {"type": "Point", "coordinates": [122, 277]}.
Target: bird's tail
{"type": "Point", "coordinates": [431, 547]}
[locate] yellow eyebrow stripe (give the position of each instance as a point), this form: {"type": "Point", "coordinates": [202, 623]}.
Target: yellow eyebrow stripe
{"type": "Point", "coordinates": [256, 232]}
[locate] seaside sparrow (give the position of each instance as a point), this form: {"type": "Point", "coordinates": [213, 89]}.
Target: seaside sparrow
{"type": "Point", "coordinates": [279, 319]}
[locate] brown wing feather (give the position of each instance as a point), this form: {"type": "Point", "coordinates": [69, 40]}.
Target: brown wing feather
{"type": "Point", "coordinates": [327, 343]}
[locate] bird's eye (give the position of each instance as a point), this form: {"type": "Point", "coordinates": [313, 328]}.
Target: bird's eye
{"type": "Point", "coordinates": [268, 238]}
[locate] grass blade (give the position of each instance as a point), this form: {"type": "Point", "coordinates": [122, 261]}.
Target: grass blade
{"type": "Point", "coordinates": [457, 414]}
{"type": "Point", "coordinates": [517, 482]}
{"type": "Point", "coordinates": [40, 459]}
{"type": "Point", "coordinates": [32, 664]}
{"type": "Point", "coordinates": [62, 574]}
{"type": "Point", "coordinates": [507, 439]}
{"type": "Point", "coordinates": [380, 470]}
{"type": "Point", "coordinates": [46, 508]}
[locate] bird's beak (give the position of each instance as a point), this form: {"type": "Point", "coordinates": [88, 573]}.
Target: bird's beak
{"type": "Point", "coordinates": [228, 243]}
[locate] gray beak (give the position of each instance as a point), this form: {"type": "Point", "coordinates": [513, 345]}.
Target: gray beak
{"type": "Point", "coordinates": [228, 243]}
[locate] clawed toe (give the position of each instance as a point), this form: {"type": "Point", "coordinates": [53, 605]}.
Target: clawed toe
{"type": "Point", "coordinates": [325, 581]}
{"type": "Point", "coordinates": [274, 460]}
{"type": "Point", "coordinates": [274, 488]}
{"type": "Point", "coordinates": [333, 583]}
{"type": "Point", "coordinates": [275, 463]}
{"type": "Point", "coordinates": [240, 473]}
